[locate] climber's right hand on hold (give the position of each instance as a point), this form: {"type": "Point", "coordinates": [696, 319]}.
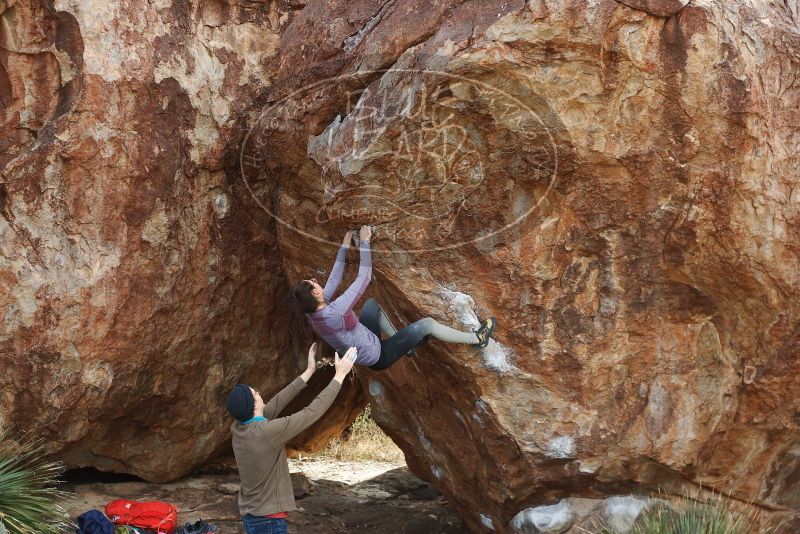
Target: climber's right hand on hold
{"type": "Point", "coordinates": [365, 234]}
{"type": "Point", "coordinates": [345, 364]}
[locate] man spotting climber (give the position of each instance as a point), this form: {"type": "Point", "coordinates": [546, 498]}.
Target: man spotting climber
{"type": "Point", "coordinates": [265, 494]}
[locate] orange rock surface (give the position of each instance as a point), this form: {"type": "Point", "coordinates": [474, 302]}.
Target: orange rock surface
{"type": "Point", "coordinates": [616, 182]}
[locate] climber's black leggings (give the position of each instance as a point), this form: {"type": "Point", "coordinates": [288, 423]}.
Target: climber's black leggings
{"type": "Point", "coordinates": [407, 339]}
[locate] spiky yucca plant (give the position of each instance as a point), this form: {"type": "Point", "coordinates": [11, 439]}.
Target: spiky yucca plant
{"type": "Point", "coordinates": [693, 518]}
{"type": "Point", "coordinates": [30, 502]}
{"type": "Point", "coordinates": [688, 516]}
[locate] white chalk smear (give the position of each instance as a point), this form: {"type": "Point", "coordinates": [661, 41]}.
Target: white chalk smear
{"type": "Point", "coordinates": [375, 388]}
{"type": "Point", "coordinates": [561, 447]}
{"type": "Point", "coordinates": [551, 518]}
{"type": "Point", "coordinates": [620, 512]}
{"type": "Point", "coordinates": [426, 444]}
{"type": "Point", "coordinates": [495, 355]}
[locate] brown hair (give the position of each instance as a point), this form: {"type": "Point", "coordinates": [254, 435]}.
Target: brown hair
{"type": "Point", "coordinates": [301, 303]}
{"type": "Point", "coordinates": [303, 296]}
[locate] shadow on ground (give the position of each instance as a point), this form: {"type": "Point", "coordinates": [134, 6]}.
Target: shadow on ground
{"type": "Point", "coordinates": [393, 502]}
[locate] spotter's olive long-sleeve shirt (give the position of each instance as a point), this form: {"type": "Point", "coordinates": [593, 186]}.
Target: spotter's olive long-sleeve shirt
{"type": "Point", "coordinates": [259, 447]}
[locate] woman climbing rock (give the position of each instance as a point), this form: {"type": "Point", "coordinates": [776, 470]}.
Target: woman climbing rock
{"type": "Point", "coordinates": [336, 323]}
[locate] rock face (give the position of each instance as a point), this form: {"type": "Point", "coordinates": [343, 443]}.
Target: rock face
{"type": "Point", "coordinates": [135, 288]}
{"type": "Point", "coordinates": [618, 186]}
{"type": "Point", "coordinates": [615, 181]}
{"type": "Point", "coordinates": [660, 8]}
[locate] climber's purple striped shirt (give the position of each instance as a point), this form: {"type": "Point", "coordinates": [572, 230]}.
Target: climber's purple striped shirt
{"type": "Point", "coordinates": [336, 323]}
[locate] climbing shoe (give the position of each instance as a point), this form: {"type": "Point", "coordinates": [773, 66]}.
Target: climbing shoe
{"type": "Point", "coordinates": [485, 332]}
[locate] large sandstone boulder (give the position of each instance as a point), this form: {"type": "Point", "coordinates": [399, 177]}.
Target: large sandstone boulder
{"type": "Point", "coordinates": [615, 181]}
{"type": "Point", "coordinates": [617, 185]}
{"type": "Point", "coordinates": [135, 288]}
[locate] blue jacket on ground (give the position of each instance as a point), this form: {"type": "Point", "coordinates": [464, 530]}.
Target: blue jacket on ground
{"type": "Point", "coordinates": [94, 522]}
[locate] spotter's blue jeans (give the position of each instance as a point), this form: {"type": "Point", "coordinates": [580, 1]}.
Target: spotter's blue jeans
{"type": "Point", "coordinates": [264, 525]}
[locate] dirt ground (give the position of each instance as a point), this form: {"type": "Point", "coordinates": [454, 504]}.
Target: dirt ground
{"type": "Point", "coordinates": [332, 497]}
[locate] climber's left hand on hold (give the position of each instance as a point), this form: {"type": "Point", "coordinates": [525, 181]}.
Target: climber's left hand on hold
{"type": "Point", "coordinates": [348, 238]}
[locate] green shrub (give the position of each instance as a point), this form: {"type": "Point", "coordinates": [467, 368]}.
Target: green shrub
{"type": "Point", "coordinates": [692, 518]}
{"type": "Point", "coordinates": [30, 502]}
{"type": "Point", "coordinates": [686, 516]}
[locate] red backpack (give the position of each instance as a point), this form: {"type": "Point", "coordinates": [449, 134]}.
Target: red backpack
{"type": "Point", "coordinates": [158, 516]}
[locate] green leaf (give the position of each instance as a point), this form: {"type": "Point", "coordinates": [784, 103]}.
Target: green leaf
{"type": "Point", "coordinates": [30, 501]}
